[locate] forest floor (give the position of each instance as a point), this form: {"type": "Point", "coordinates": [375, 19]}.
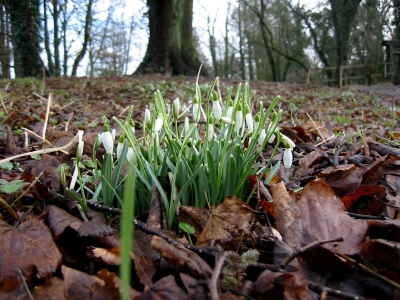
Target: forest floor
{"type": "Point", "coordinates": [344, 183]}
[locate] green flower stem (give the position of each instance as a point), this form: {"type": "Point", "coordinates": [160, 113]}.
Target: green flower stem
{"type": "Point", "coordinates": [127, 232]}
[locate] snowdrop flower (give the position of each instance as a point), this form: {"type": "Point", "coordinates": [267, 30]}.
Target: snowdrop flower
{"type": "Point", "coordinates": [272, 137]}
{"type": "Point", "coordinates": [226, 120]}
{"type": "Point", "coordinates": [262, 137]}
{"type": "Point", "coordinates": [107, 139]}
{"type": "Point", "coordinates": [210, 128]}
{"type": "Point", "coordinates": [175, 108]}
{"type": "Point", "coordinates": [287, 158]}
{"type": "Point", "coordinates": [132, 126]}
{"type": "Point", "coordinates": [229, 110]}
{"type": "Point", "coordinates": [256, 121]}
{"type": "Point", "coordinates": [159, 123]}
{"type": "Point", "coordinates": [287, 154]}
{"type": "Point", "coordinates": [130, 155]}
{"type": "Point", "coordinates": [186, 126]}
{"type": "Point", "coordinates": [239, 118]}
{"type": "Point", "coordinates": [147, 118]}
{"type": "Point", "coordinates": [248, 119]}
{"type": "Point", "coordinates": [120, 145]}
{"type": "Point", "coordinates": [81, 143]}
{"type": "Point", "coordinates": [113, 133]}
{"type": "Point", "coordinates": [196, 109]}
{"type": "Point", "coordinates": [217, 110]}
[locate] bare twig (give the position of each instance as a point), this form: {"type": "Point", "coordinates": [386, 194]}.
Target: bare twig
{"type": "Point", "coordinates": [326, 290]}
{"type": "Point", "coordinates": [43, 151]}
{"type": "Point", "coordinates": [46, 119]}
{"type": "Point", "coordinates": [310, 246]}
{"type": "Point", "coordinates": [213, 281]}
{"type": "Point", "coordinates": [366, 269]}
{"type": "Point", "coordinates": [22, 280]}
{"type": "Point", "coordinates": [42, 139]}
{"type": "Point", "coordinates": [28, 189]}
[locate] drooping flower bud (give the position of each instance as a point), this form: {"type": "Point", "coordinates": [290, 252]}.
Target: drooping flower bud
{"type": "Point", "coordinates": [210, 128]}
{"type": "Point", "coordinates": [107, 139]}
{"type": "Point", "coordinates": [175, 108]}
{"type": "Point", "coordinates": [287, 158]}
{"type": "Point", "coordinates": [130, 155]}
{"type": "Point", "coordinates": [79, 149]}
{"type": "Point", "coordinates": [239, 118]}
{"type": "Point", "coordinates": [196, 109]}
{"type": "Point", "coordinates": [229, 110]}
{"type": "Point", "coordinates": [158, 123]}
{"type": "Point", "coordinates": [248, 118]}
{"type": "Point", "coordinates": [217, 110]}
{"type": "Point", "coordinates": [262, 137]}
{"type": "Point", "coordinates": [147, 119]}
{"type": "Point", "coordinates": [120, 145]}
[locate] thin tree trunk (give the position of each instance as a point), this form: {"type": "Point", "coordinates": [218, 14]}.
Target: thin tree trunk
{"type": "Point", "coordinates": [241, 38]}
{"type": "Point", "coordinates": [88, 23]}
{"type": "Point", "coordinates": [4, 44]}
{"type": "Point", "coordinates": [47, 40]}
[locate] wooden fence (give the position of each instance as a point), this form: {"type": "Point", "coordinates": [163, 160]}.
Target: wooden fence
{"type": "Point", "coordinates": [345, 75]}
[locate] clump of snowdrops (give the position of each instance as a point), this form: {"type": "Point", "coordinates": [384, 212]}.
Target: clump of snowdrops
{"type": "Point", "coordinates": [192, 154]}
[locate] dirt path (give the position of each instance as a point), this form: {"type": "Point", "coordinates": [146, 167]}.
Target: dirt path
{"type": "Point", "coordinates": [386, 89]}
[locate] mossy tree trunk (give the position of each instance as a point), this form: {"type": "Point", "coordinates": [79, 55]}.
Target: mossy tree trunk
{"type": "Point", "coordinates": [171, 46]}
{"type": "Point", "coordinates": [25, 23]}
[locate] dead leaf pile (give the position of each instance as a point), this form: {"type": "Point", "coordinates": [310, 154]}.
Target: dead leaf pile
{"type": "Point", "coordinates": [327, 227]}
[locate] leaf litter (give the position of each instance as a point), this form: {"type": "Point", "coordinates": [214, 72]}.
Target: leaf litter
{"type": "Point", "coordinates": [332, 227]}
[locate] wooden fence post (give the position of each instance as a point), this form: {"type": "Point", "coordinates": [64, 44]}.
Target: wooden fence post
{"type": "Point", "coordinates": [340, 76]}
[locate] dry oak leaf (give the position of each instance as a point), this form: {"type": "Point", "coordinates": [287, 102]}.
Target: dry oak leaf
{"type": "Point", "coordinates": [323, 217]}
{"type": "Point", "coordinates": [228, 220]}
{"type": "Point", "coordinates": [183, 259]}
{"type": "Point", "coordinates": [30, 248]}
{"type": "Point", "coordinates": [164, 289]}
{"type": "Point", "coordinates": [286, 215]}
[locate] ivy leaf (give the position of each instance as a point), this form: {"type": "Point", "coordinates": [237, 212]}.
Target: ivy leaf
{"type": "Point", "coordinates": [11, 187]}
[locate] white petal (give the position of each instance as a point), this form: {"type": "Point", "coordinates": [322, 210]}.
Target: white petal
{"type": "Point", "coordinates": [108, 142]}
{"type": "Point", "coordinates": [130, 155]}
{"type": "Point", "coordinates": [80, 135]}
{"type": "Point", "coordinates": [196, 112]}
{"type": "Point", "coordinates": [119, 149]}
{"type": "Point", "coordinates": [262, 137]}
{"type": "Point", "coordinates": [79, 150]}
{"type": "Point", "coordinates": [147, 117]}
{"type": "Point", "coordinates": [187, 127]}
{"type": "Point", "coordinates": [217, 110]}
{"type": "Point", "coordinates": [239, 121]}
{"type": "Point", "coordinates": [158, 125]}
{"type": "Point", "coordinates": [287, 158]}
{"type": "Point", "coordinates": [249, 122]}
{"type": "Point", "coordinates": [210, 132]}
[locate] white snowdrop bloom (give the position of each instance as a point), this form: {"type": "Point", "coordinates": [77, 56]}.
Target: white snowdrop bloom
{"type": "Point", "coordinates": [175, 108]}
{"type": "Point", "coordinates": [262, 137]}
{"type": "Point", "coordinates": [249, 122]}
{"type": "Point", "coordinates": [108, 142]}
{"type": "Point", "coordinates": [287, 158]}
{"type": "Point", "coordinates": [147, 118]}
{"type": "Point", "coordinates": [130, 155]}
{"type": "Point", "coordinates": [158, 124]}
{"type": "Point", "coordinates": [217, 110]}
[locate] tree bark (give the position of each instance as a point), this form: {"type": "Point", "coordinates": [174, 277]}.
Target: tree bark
{"type": "Point", "coordinates": [5, 51]}
{"type": "Point", "coordinates": [396, 23]}
{"type": "Point", "coordinates": [171, 46]}
{"type": "Point", "coordinates": [24, 18]}
{"type": "Point", "coordinates": [343, 15]}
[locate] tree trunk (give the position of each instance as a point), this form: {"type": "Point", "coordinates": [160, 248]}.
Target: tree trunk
{"type": "Point", "coordinates": [396, 23]}
{"type": "Point", "coordinates": [57, 40]}
{"type": "Point", "coordinates": [88, 23]}
{"type": "Point", "coordinates": [241, 50]}
{"type": "Point", "coordinates": [343, 15]}
{"type": "Point", "coordinates": [171, 46]}
{"type": "Point", "coordinates": [24, 18]}
{"type": "Point", "coordinates": [4, 44]}
{"type": "Point", "coordinates": [47, 40]}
